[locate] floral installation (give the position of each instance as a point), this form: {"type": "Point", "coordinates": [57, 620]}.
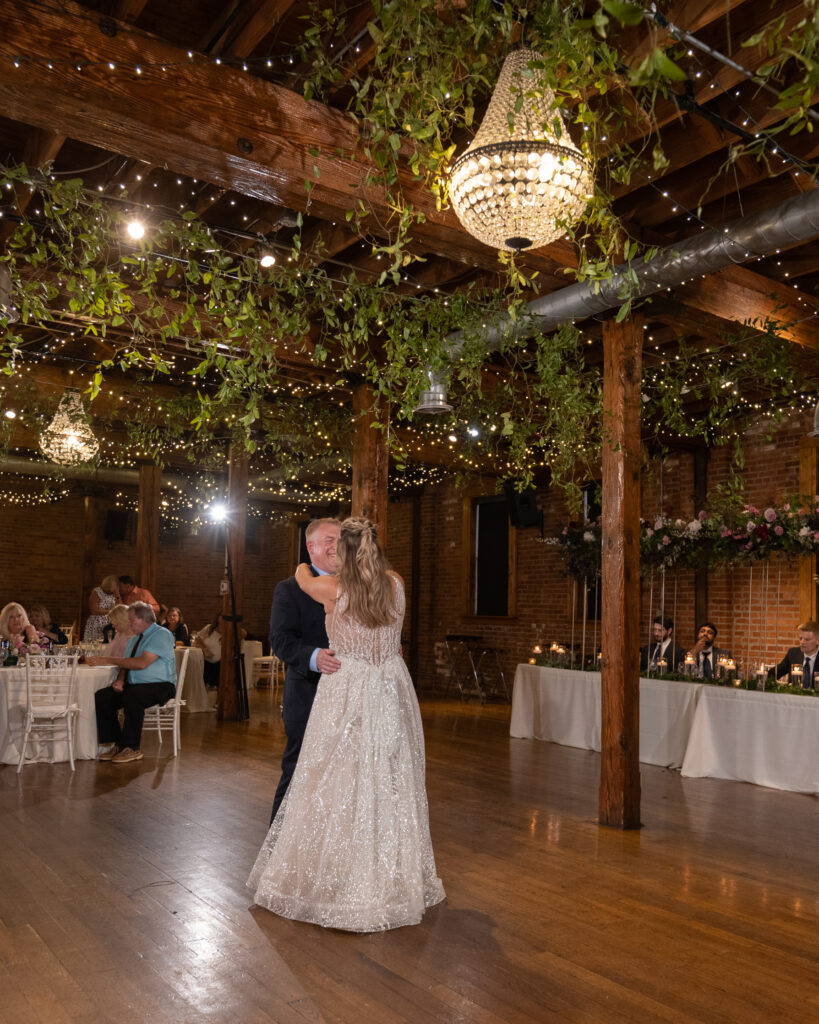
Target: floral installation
{"type": "Point", "coordinates": [708, 540]}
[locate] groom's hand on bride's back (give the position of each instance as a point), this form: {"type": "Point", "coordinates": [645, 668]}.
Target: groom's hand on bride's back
{"type": "Point", "coordinates": [327, 662]}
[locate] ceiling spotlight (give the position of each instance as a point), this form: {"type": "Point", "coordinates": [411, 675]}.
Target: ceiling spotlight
{"type": "Point", "coordinates": [135, 229]}
{"type": "Point", "coordinates": [268, 259]}
{"type": "Point", "coordinates": [218, 512]}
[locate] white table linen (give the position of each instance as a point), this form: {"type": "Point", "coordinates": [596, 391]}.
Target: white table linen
{"type": "Point", "coordinates": [12, 714]}
{"type": "Point", "coordinates": [251, 649]}
{"type": "Point", "coordinates": [194, 693]}
{"type": "Point", "coordinates": [563, 706]}
{"type": "Point", "coordinates": [770, 739]}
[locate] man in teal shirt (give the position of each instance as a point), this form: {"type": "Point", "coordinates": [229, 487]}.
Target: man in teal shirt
{"type": "Point", "coordinates": [147, 676]}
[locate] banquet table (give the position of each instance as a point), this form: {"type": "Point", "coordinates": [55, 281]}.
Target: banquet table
{"type": "Point", "coordinates": [770, 739]}
{"type": "Point", "coordinates": [12, 712]}
{"type": "Point", "coordinates": [563, 705]}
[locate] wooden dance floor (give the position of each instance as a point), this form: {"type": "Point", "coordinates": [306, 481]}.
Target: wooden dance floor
{"type": "Point", "coordinates": [122, 893]}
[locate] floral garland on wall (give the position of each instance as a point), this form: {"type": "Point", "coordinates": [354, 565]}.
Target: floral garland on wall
{"type": "Point", "coordinates": [709, 540]}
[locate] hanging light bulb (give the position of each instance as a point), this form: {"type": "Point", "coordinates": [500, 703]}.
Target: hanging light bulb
{"type": "Point", "coordinates": [68, 439]}
{"type": "Point", "coordinates": [521, 181]}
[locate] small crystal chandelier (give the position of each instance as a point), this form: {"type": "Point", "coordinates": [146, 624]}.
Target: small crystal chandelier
{"type": "Point", "coordinates": [68, 439]}
{"type": "Point", "coordinates": [521, 181]}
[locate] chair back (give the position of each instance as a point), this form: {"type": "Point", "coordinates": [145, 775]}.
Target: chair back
{"type": "Point", "coordinates": [181, 672]}
{"type": "Point", "coordinates": [50, 681]}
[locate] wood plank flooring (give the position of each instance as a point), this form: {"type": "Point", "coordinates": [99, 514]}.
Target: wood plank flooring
{"type": "Point", "coordinates": [122, 893]}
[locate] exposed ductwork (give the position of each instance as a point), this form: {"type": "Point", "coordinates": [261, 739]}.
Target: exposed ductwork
{"type": "Point", "coordinates": [796, 220]}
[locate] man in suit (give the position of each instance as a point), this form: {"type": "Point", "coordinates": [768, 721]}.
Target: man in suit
{"type": "Point", "coordinates": [804, 655]}
{"type": "Point", "coordinates": [661, 647]}
{"type": "Point", "coordinates": [706, 654]}
{"type": "Point", "coordinates": [299, 638]}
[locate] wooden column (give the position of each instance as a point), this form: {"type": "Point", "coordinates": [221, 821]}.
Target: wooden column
{"type": "Point", "coordinates": [89, 558]}
{"type": "Point", "coordinates": [808, 451]}
{"type": "Point", "coordinates": [370, 463]}
{"type": "Point", "coordinates": [619, 798]}
{"type": "Point", "coordinates": [150, 480]}
{"type": "Point", "coordinates": [228, 707]}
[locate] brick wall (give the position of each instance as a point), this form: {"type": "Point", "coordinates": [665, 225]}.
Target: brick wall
{"type": "Point", "coordinates": [755, 609]}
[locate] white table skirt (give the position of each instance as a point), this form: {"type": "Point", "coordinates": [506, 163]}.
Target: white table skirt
{"type": "Point", "coordinates": [563, 706]}
{"type": "Point", "coordinates": [194, 692]}
{"type": "Point", "coordinates": [770, 739]}
{"type": "Point", "coordinates": [251, 649]}
{"type": "Point", "coordinates": [12, 712]}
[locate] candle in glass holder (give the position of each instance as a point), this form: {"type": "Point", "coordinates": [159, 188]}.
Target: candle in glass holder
{"type": "Point", "coordinates": [662, 665]}
{"type": "Point", "coordinates": [537, 649]}
{"type": "Point", "coordinates": [729, 669]}
{"type": "Point", "coordinates": [761, 677]}
{"type": "Point", "coordinates": [532, 661]}
{"type": "Point", "coordinates": [721, 668]}
{"type": "Point", "coordinates": [690, 665]}
{"type": "Point", "coordinates": [796, 675]}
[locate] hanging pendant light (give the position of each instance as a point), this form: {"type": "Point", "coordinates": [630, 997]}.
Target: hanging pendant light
{"type": "Point", "coordinates": [521, 181]}
{"type": "Point", "coordinates": [68, 439]}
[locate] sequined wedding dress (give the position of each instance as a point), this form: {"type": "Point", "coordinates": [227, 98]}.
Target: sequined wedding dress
{"type": "Point", "coordinates": [350, 846]}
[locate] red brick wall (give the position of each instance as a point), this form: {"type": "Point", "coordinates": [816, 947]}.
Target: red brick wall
{"type": "Point", "coordinates": [41, 554]}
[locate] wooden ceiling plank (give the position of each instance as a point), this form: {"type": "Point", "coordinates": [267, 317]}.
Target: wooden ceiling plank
{"type": "Point", "coordinates": [259, 24]}
{"type": "Point", "coordinates": [129, 10]}
{"type": "Point", "coordinates": [741, 296]}
{"type": "Point", "coordinates": [41, 147]}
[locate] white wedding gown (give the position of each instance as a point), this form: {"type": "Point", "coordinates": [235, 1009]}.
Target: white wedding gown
{"type": "Point", "coordinates": [350, 845]}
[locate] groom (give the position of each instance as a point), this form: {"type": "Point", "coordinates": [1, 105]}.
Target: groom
{"type": "Point", "coordinates": [299, 638]}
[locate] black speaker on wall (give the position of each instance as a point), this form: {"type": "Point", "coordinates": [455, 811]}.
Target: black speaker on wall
{"type": "Point", "coordinates": [522, 506]}
{"type": "Point", "coordinates": [116, 524]}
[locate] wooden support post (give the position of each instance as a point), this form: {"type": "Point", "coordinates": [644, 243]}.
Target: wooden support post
{"type": "Point", "coordinates": [370, 463]}
{"type": "Point", "coordinates": [619, 798]}
{"type": "Point", "coordinates": [150, 481]}
{"type": "Point", "coordinates": [228, 706]}
{"type": "Point", "coordinates": [808, 452]}
{"type": "Point", "coordinates": [89, 558]}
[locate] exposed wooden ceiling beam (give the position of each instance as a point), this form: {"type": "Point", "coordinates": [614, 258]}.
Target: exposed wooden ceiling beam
{"type": "Point", "coordinates": [208, 122]}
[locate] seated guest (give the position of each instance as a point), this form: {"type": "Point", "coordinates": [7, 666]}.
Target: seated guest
{"type": "Point", "coordinates": [130, 593]}
{"type": "Point", "coordinates": [707, 656]}
{"type": "Point", "coordinates": [803, 655]}
{"type": "Point", "coordinates": [210, 641]}
{"type": "Point", "coordinates": [39, 618]}
{"type": "Point", "coordinates": [15, 627]}
{"type": "Point", "coordinates": [120, 626]}
{"type": "Point", "coordinates": [662, 647]}
{"type": "Point", "coordinates": [147, 676]}
{"type": "Point", "coordinates": [175, 623]}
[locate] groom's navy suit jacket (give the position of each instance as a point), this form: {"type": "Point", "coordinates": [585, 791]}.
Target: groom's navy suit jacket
{"type": "Point", "coordinates": [297, 628]}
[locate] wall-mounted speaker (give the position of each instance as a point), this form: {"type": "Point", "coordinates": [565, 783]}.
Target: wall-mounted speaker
{"type": "Point", "coordinates": [116, 524]}
{"type": "Point", "coordinates": [522, 506]}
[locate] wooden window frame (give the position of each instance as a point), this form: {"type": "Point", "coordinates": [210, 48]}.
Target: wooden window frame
{"type": "Point", "coordinates": [468, 595]}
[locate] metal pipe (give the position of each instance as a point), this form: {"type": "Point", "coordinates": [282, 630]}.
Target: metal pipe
{"type": "Point", "coordinates": [796, 220]}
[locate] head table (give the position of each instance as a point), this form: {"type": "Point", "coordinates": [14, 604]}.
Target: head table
{"type": "Point", "coordinates": [707, 731]}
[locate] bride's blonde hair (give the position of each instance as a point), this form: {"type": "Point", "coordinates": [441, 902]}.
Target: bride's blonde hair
{"type": "Point", "coordinates": [362, 574]}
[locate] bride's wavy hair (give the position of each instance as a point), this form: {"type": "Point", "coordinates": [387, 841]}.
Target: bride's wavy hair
{"type": "Point", "coordinates": [362, 574]}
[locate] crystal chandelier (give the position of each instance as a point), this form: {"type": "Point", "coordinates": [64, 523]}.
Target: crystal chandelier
{"type": "Point", "coordinates": [68, 439]}
{"type": "Point", "coordinates": [521, 181]}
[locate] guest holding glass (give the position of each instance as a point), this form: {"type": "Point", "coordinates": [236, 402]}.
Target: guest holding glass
{"type": "Point", "coordinates": [49, 631]}
{"type": "Point", "coordinates": [102, 600]}
{"type": "Point", "coordinates": [176, 624]}
{"type": "Point", "coordinates": [706, 655]}
{"type": "Point", "coordinates": [16, 628]}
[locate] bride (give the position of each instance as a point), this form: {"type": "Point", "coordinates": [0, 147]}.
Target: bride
{"type": "Point", "coordinates": [350, 846]}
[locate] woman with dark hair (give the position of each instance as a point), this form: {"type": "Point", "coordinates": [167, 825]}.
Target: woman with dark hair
{"type": "Point", "coordinates": [176, 624]}
{"type": "Point", "coordinates": [350, 847]}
